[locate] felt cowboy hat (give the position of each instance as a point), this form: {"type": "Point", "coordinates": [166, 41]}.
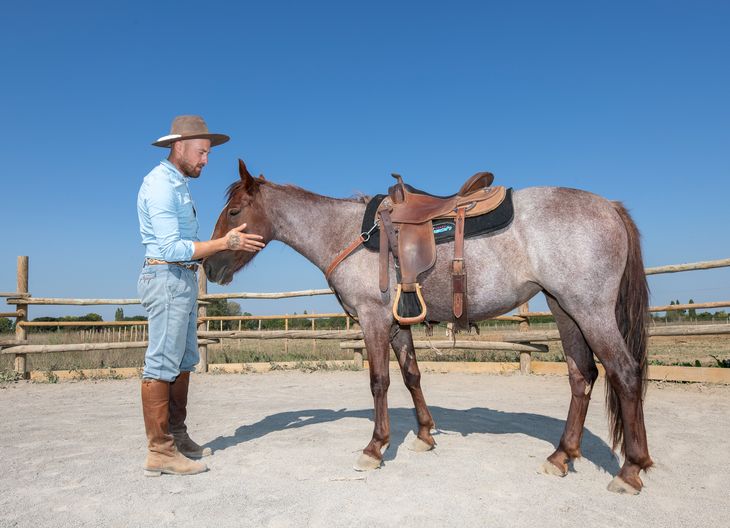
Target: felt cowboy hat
{"type": "Point", "coordinates": [190, 127]}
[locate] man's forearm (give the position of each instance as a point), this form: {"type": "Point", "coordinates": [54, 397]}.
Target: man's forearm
{"type": "Point", "coordinates": [208, 248]}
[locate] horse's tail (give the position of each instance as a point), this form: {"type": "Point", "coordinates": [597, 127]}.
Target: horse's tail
{"type": "Point", "coordinates": [632, 312]}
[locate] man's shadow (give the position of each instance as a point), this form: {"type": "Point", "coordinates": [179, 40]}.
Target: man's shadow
{"type": "Point", "coordinates": [463, 422]}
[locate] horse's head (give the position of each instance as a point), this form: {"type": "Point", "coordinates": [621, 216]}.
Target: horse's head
{"type": "Point", "coordinates": [244, 206]}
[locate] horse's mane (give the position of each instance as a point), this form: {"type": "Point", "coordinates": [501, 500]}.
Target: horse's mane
{"type": "Point", "coordinates": [235, 186]}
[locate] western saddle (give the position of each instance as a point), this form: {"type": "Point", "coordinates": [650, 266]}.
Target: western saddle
{"type": "Point", "coordinates": [405, 219]}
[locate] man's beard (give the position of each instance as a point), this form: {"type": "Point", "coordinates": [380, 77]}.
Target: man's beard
{"type": "Point", "coordinates": [190, 170]}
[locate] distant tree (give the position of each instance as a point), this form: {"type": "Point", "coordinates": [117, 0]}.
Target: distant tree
{"type": "Point", "coordinates": [692, 311]}
{"type": "Point", "coordinates": [6, 325]}
{"type": "Point", "coordinates": [219, 307]}
{"type": "Point", "coordinates": [670, 315]}
{"type": "Point", "coordinates": [119, 314]}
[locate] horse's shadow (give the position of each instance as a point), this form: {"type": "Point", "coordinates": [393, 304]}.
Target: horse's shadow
{"type": "Point", "coordinates": [448, 421]}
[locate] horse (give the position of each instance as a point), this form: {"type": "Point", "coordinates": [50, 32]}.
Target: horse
{"type": "Point", "coordinates": [581, 250]}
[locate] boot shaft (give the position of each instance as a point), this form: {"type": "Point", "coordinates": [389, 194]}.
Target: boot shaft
{"type": "Point", "coordinates": [179, 402]}
{"type": "Point", "coordinates": [156, 412]}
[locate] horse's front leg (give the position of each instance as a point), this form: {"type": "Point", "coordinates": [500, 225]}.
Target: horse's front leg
{"type": "Point", "coordinates": [375, 331]}
{"type": "Point", "coordinates": [402, 342]}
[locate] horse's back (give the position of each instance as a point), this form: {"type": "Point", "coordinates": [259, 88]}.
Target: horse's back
{"type": "Point", "coordinates": [564, 241]}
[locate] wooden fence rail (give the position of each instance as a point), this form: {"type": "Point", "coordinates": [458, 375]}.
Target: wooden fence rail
{"type": "Point", "coordinates": [524, 341]}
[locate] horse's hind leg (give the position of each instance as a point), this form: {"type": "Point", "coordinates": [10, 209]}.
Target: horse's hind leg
{"type": "Point", "coordinates": [375, 327]}
{"type": "Point", "coordinates": [625, 407]}
{"type": "Point", "coordinates": [401, 340]}
{"type": "Point", "coordinates": [582, 372]}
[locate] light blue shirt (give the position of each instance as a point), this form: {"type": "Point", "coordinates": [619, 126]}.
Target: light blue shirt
{"type": "Point", "coordinates": [167, 220]}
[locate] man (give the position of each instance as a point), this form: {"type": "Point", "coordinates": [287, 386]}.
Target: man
{"type": "Point", "coordinates": [168, 288]}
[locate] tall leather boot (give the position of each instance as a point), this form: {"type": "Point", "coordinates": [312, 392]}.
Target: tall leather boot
{"type": "Point", "coordinates": [178, 413]}
{"type": "Point", "coordinates": [163, 456]}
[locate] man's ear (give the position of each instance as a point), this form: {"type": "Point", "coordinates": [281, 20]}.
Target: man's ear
{"type": "Point", "coordinates": [249, 183]}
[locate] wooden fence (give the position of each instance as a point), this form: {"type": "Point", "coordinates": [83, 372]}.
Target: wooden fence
{"type": "Point", "coordinates": [132, 334]}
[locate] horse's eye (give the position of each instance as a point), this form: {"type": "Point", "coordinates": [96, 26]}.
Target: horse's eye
{"type": "Point", "coordinates": [234, 212]}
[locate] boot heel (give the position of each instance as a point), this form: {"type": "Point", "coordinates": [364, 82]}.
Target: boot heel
{"type": "Point", "coordinates": [152, 473]}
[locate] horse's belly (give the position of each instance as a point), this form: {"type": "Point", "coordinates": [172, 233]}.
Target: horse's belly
{"type": "Point", "coordinates": [495, 284]}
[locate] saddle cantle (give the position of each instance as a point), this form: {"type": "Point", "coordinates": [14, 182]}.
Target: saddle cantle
{"type": "Point", "coordinates": [409, 223]}
{"type": "Point", "coordinates": [406, 218]}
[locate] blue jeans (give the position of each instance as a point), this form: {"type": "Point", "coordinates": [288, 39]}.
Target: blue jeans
{"type": "Point", "coordinates": [169, 293]}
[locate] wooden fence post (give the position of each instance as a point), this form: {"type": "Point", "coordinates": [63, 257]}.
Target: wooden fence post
{"type": "Point", "coordinates": [202, 312]}
{"type": "Point", "coordinates": [21, 365]}
{"type": "Point", "coordinates": [286, 341]}
{"type": "Point", "coordinates": [314, 341]}
{"type": "Point", "coordinates": [525, 357]}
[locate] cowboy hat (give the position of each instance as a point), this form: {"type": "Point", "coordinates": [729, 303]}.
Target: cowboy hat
{"type": "Point", "coordinates": [189, 127]}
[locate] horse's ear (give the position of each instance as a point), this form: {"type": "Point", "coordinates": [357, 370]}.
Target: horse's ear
{"type": "Point", "coordinates": [249, 183]}
{"type": "Point", "coordinates": [242, 170]}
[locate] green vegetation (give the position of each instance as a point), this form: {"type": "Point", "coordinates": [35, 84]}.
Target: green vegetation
{"type": "Point", "coordinates": [6, 325]}
{"type": "Point", "coordinates": [9, 376]}
{"type": "Point", "coordinates": [690, 315]}
{"type": "Point", "coordinates": [119, 316]}
{"type": "Point", "coordinates": [91, 317]}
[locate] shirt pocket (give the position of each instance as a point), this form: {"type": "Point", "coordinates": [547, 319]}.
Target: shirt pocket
{"type": "Point", "coordinates": [187, 207]}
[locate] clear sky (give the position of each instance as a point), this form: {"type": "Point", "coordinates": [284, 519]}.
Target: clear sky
{"type": "Point", "coordinates": [630, 100]}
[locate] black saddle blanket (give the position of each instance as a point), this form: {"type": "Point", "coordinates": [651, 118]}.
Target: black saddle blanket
{"type": "Point", "coordinates": [443, 229]}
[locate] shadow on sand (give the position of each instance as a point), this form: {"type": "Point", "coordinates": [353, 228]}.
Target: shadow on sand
{"type": "Point", "coordinates": [448, 421]}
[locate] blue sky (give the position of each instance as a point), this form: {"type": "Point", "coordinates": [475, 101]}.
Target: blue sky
{"type": "Point", "coordinates": [625, 99]}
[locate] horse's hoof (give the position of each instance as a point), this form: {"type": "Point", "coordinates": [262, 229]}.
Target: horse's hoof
{"type": "Point", "coordinates": [366, 463]}
{"type": "Point", "coordinates": [420, 446]}
{"type": "Point", "coordinates": [619, 485]}
{"type": "Point", "coordinates": [548, 468]}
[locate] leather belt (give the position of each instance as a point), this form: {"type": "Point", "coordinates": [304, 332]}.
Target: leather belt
{"type": "Point", "coordinates": [156, 262]}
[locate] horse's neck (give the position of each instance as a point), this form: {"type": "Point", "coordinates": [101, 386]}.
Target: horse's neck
{"type": "Point", "coordinates": [315, 226]}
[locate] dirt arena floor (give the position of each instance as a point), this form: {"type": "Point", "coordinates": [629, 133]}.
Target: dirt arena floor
{"type": "Point", "coordinates": [285, 443]}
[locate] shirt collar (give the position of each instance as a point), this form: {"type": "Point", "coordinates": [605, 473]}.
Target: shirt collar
{"type": "Point", "coordinates": [174, 170]}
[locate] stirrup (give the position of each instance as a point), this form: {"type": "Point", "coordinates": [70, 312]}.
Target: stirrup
{"type": "Point", "coordinates": [405, 321]}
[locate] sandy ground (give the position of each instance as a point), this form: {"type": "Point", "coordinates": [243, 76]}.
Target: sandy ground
{"type": "Point", "coordinates": [285, 443]}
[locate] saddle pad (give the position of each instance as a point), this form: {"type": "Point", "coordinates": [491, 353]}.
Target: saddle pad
{"type": "Point", "coordinates": [443, 229]}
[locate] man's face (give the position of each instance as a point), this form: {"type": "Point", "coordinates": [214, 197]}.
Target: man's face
{"type": "Point", "coordinates": [193, 156]}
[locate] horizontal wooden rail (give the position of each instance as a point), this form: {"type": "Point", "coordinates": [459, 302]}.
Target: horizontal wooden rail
{"type": "Point", "coordinates": [282, 334]}
{"type": "Point", "coordinates": [517, 318]}
{"type": "Point", "coordinates": [675, 307]}
{"type": "Point", "coordinates": [12, 342]}
{"type": "Point", "coordinates": [14, 294]}
{"type": "Point", "coordinates": [83, 347]}
{"type": "Point", "coordinates": [17, 313]}
{"type": "Point", "coordinates": [466, 345]}
{"type": "Point", "coordinates": [277, 295]}
{"type": "Point", "coordinates": [654, 331]}
{"type": "Point", "coordinates": [269, 317]}
{"type": "Point", "coordinates": [75, 302]}
{"type": "Point", "coordinates": [81, 323]}
{"type": "Point", "coordinates": [680, 330]}
{"type": "Point", "coordinates": [693, 266]}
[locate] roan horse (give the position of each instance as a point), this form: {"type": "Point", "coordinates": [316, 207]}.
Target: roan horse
{"type": "Point", "coordinates": [580, 250]}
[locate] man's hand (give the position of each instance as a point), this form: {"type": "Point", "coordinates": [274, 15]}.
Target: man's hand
{"type": "Point", "coordinates": [237, 240]}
